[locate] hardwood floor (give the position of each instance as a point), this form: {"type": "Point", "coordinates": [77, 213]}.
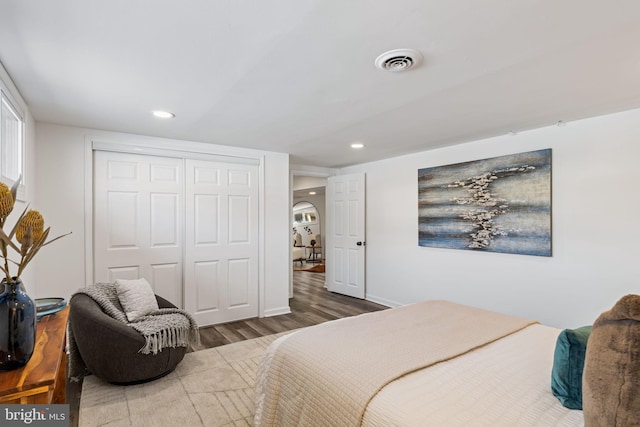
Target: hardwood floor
{"type": "Point", "coordinates": [311, 304]}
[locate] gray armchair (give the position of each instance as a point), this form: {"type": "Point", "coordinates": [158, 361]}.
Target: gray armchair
{"type": "Point", "coordinates": [109, 348]}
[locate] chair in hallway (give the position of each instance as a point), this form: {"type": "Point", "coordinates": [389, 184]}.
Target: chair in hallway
{"type": "Point", "coordinates": [298, 249]}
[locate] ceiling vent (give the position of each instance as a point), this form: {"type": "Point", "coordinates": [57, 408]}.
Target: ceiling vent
{"type": "Point", "coordinates": [399, 60]}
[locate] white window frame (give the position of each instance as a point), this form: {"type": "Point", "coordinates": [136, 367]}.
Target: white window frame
{"type": "Point", "coordinates": [7, 100]}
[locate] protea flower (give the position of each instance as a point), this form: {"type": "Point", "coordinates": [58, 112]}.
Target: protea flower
{"type": "Point", "coordinates": [30, 228]}
{"type": "Point", "coordinates": [29, 231]}
{"type": "Point", "coordinates": [6, 201]}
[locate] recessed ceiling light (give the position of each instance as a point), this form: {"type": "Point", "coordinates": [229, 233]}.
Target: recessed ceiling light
{"type": "Point", "coordinates": [313, 193]}
{"type": "Point", "coordinates": [163, 114]}
{"type": "Point", "coordinates": [357, 145]}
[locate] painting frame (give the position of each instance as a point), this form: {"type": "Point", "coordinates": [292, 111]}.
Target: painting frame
{"type": "Point", "coordinates": [499, 204]}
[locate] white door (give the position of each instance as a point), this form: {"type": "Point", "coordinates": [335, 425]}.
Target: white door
{"type": "Point", "coordinates": [138, 220]}
{"type": "Point", "coordinates": [346, 235]}
{"type": "Point", "coordinates": [221, 245]}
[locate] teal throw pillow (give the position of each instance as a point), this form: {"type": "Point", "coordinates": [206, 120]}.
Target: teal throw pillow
{"type": "Point", "coordinates": [568, 364]}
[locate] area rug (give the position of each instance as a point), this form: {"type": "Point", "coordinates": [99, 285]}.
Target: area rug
{"type": "Point", "coordinates": [213, 387]}
{"type": "Point", "coordinates": [317, 268]}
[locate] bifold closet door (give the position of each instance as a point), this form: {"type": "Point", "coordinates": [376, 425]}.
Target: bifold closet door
{"type": "Point", "coordinates": [138, 220]}
{"type": "Point", "coordinates": [221, 241]}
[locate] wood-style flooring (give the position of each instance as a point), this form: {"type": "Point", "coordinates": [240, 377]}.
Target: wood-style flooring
{"type": "Point", "coordinates": [311, 304]}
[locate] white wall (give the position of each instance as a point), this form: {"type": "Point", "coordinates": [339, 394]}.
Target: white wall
{"type": "Point", "coordinates": [278, 243]}
{"type": "Point", "coordinates": [595, 228]}
{"type": "Point", "coordinates": [305, 182]}
{"type": "Point", "coordinates": [60, 183]}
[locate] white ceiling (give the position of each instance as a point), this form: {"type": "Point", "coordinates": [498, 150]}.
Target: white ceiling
{"type": "Point", "coordinates": [298, 76]}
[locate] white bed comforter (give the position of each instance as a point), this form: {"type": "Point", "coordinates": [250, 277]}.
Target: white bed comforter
{"type": "Point", "coordinates": [326, 375]}
{"type": "Point", "coordinates": [504, 384]}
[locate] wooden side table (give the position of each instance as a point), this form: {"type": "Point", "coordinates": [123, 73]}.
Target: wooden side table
{"type": "Point", "coordinates": [43, 379]}
{"type": "Point", "coordinates": [313, 256]}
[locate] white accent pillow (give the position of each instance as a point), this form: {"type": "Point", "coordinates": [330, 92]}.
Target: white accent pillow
{"type": "Point", "coordinates": [136, 297]}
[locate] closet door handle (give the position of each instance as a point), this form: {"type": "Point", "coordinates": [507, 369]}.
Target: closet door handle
{"type": "Point", "coordinates": [360, 243]}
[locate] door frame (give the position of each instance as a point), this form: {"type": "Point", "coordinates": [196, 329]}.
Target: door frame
{"type": "Point", "coordinates": [170, 148]}
{"type": "Point", "coordinates": [299, 170]}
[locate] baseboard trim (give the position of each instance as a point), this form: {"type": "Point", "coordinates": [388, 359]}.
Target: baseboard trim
{"type": "Point", "coordinates": [277, 311]}
{"type": "Point", "coordinates": [382, 301]}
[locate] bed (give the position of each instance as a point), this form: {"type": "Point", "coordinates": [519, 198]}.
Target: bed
{"type": "Point", "coordinates": [434, 363]}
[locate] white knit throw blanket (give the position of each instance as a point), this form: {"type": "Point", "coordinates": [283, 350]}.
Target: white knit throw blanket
{"type": "Point", "coordinates": [162, 328]}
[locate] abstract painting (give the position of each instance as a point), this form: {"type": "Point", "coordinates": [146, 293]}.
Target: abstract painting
{"type": "Point", "coordinates": [501, 204]}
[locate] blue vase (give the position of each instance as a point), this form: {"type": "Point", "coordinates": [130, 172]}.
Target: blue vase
{"type": "Point", "coordinates": [17, 325]}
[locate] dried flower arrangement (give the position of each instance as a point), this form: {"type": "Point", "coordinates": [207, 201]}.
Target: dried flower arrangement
{"type": "Point", "coordinates": [29, 232]}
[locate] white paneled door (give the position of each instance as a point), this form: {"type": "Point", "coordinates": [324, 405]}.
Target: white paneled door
{"type": "Point", "coordinates": [190, 227]}
{"type": "Point", "coordinates": [221, 262]}
{"type": "Point", "coordinates": [139, 220]}
{"type": "Point", "coordinates": [345, 235]}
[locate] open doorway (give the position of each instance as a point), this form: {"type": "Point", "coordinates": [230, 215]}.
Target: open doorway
{"type": "Point", "coordinates": [308, 222]}
{"type": "Point", "coordinates": [308, 215]}
{"type": "Point", "coordinates": [307, 238]}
